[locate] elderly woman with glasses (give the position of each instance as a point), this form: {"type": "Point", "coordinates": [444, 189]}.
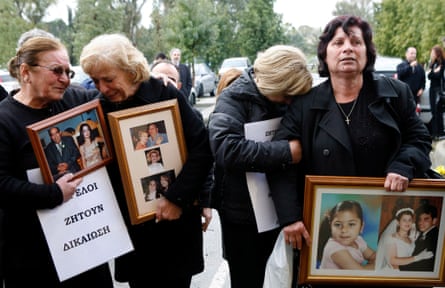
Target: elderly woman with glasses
{"type": "Point", "coordinates": [42, 68]}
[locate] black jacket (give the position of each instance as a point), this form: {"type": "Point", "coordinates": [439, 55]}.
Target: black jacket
{"type": "Point", "coordinates": [237, 105]}
{"type": "Point", "coordinates": [25, 246]}
{"type": "Point", "coordinates": [173, 244]}
{"type": "Point", "coordinates": [314, 120]}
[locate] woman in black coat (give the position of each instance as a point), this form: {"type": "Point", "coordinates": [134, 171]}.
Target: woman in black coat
{"type": "Point", "coordinates": [260, 93]}
{"type": "Point", "coordinates": [168, 250]}
{"type": "Point", "coordinates": [354, 124]}
{"type": "Point", "coordinates": [436, 75]}
{"type": "Point", "coordinates": [42, 68]}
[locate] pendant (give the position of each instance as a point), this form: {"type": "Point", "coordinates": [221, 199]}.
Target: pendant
{"type": "Point", "coordinates": [347, 120]}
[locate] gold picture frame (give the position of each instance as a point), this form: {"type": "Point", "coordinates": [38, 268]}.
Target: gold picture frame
{"type": "Point", "coordinates": [323, 193]}
{"type": "Point", "coordinates": [138, 173]}
{"type": "Point", "coordinates": [77, 154]}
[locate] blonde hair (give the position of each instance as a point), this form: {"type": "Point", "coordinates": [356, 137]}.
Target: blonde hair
{"type": "Point", "coordinates": [281, 71]}
{"type": "Point", "coordinates": [115, 50]}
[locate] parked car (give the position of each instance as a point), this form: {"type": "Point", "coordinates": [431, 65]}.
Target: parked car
{"type": "Point", "coordinates": [205, 80]}
{"type": "Point", "coordinates": [240, 63]}
{"type": "Point", "coordinates": [80, 76]}
{"type": "Point", "coordinates": [7, 81]}
{"type": "Point", "coordinates": [387, 66]}
{"type": "Point", "coordinates": [192, 96]}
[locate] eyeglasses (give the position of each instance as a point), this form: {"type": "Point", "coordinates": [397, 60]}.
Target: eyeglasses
{"type": "Point", "coordinates": [58, 70]}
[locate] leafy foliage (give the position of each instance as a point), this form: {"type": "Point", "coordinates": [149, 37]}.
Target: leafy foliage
{"type": "Point", "coordinates": [211, 30]}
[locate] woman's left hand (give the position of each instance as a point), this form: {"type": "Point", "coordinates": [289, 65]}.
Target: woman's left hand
{"type": "Point", "coordinates": [396, 183]}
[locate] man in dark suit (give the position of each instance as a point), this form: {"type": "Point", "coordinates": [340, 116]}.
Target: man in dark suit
{"type": "Point", "coordinates": [426, 219]}
{"type": "Point", "coordinates": [184, 72]}
{"type": "Point", "coordinates": [62, 154]}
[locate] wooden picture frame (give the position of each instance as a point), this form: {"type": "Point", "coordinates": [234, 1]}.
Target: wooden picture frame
{"type": "Point", "coordinates": [135, 161]}
{"type": "Point", "coordinates": [78, 155]}
{"type": "Point", "coordinates": [379, 207]}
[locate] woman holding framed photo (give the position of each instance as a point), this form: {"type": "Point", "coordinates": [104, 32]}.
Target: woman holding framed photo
{"type": "Point", "coordinates": [121, 73]}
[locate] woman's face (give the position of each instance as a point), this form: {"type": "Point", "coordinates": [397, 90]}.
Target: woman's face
{"type": "Point", "coordinates": [152, 186]}
{"type": "Point", "coordinates": [46, 86]}
{"type": "Point", "coordinates": [346, 227]}
{"type": "Point", "coordinates": [346, 53]}
{"type": "Point", "coordinates": [115, 84]}
{"type": "Point", "coordinates": [433, 55]}
{"type": "Point", "coordinates": [406, 222]}
{"type": "Point", "coordinates": [143, 137]}
{"type": "Point", "coordinates": [86, 132]}
{"type": "Point", "coordinates": [164, 182]}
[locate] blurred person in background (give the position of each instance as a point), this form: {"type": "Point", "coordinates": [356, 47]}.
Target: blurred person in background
{"type": "Point", "coordinates": [227, 78]}
{"type": "Point", "coordinates": [167, 68]}
{"type": "Point", "coordinates": [184, 72]}
{"type": "Point", "coordinates": [262, 92]}
{"type": "Point", "coordinates": [169, 246]}
{"type": "Point", "coordinates": [436, 75]}
{"type": "Point", "coordinates": [412, 73]}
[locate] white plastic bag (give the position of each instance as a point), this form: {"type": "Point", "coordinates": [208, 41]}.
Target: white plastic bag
{"type": "Point", "coordinates": [279, 265]}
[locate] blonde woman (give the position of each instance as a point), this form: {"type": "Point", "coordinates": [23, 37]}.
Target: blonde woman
{"type": "Point", "coordinates": [121, 73]}
{"type": "Point", "coordinates": [260, 93]}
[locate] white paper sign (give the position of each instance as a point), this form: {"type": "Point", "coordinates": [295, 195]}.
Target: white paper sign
{"type": "Point", "coordinates": [263, 206]}
{"type": "Point", "coordinates": [87, 230]}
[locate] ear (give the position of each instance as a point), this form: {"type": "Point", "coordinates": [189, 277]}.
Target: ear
{"type": "Point", "coordinates": [24, 72]}
{"type": "Point", "coordinates": [363, 226]}
{"type": "Point", "coordinates": [435, 221]}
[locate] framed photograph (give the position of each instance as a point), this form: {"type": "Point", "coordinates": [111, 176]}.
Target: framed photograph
{"type": "Point", "coordinates": [150, 149]}
{"type": "Point", "coordinates": [363, 235]}
{"type": "Point", "coordinates": [75, 141]}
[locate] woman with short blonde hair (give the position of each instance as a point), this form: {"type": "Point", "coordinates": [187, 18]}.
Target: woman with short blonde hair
{"type": "Point", "coordinates": [260, 93]}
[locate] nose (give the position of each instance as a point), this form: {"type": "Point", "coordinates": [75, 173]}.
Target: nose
{"type": "Point", "coordinates": [347, 46]}
{"type": "Point", "coordinates": [101, 86]}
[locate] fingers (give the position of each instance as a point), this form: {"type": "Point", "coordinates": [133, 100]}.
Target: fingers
{"type": "Point", "coordinates": [396, 183]}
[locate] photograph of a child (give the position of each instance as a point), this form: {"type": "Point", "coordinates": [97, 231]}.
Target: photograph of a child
{"type": "Point", "coordinates": [154, 161]}
{"type": "Point", "coordinates": [152, 134]}
{"type": "Point", "coordinates": [155, 186]}
{"type": "Point", "coordinates": [409, 239]}
{"type": "Point", "coordinates": [340, 244]}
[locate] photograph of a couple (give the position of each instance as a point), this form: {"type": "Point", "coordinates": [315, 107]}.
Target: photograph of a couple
{"type": "Point", "coordinates": [388, 234]}
{"type": "Point", "coordinates": [152, 134]}
{"type": "Point", "coordinates": [74, 145]}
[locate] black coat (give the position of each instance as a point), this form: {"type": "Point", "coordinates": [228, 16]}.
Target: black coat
{"type": "Point", "coordinates": [70, 154]}
{"type": "Point", "coordinates": [173, 247]}
{"type": "Point", "coordinates": [428, 243]}
{"type": "Point", "coordinates": [237, 105]}
{"type": "Point", "coordinates": [27, 260]}
{"type": "Point", "coordinates": [314, 119]}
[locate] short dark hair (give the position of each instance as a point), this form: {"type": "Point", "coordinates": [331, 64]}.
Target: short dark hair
{"type": "Point", "coordinates": [426, 208]}
{"type": "Point", "coordinates": [160, 56]}
{"type": "Point", "coordinates": [345, 22]}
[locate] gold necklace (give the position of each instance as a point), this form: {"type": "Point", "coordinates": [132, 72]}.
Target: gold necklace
{"type": "Point", "coordinates": [347, 116]}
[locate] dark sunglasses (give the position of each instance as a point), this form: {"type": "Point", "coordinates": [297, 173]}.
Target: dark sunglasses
{"type": "Point", "coordinates": [58, 70]}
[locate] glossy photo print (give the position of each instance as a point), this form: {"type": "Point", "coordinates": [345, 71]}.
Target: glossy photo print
{"type": "Point", "coordinates": [149, 145]}
{"type": "Point", "coordinates": [74, 141]}
{"type": "Point", "coordinates": [362, 233]}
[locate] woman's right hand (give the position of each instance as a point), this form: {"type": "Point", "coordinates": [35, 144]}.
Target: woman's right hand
{"type": "Point", "coordinates": [68, 185]}
{"type": "Point", "coordinates": [293, 233]}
